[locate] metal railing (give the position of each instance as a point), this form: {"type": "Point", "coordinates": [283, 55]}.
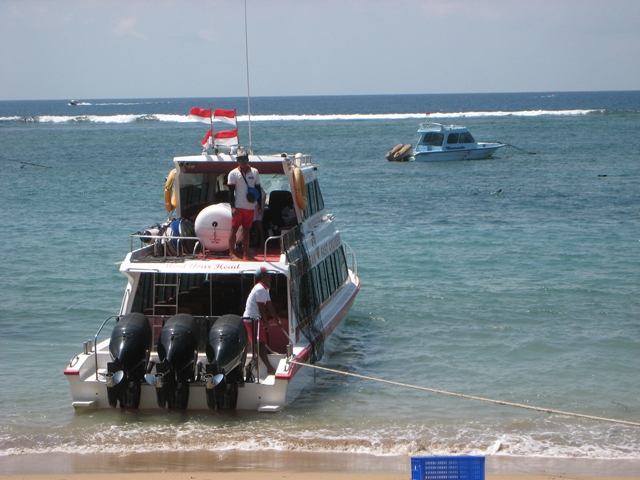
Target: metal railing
{"type": "Point", "coordinates": [352, 263]}
{"type": "Point", "coordinates": [163, 241]}
{"type": "Point", "coordinates": [275, 237]}
{"type": "Point", "coordinates": [95, 342]}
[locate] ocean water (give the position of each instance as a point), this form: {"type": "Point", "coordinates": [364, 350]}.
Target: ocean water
{"type": "Point", "coordinates": [515, 278]}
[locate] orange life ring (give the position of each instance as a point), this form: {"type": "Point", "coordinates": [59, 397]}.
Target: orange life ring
{"type": "Point", "coordinates": [300, 188]}
{"type": "Point", "coordinates": [170, 198]}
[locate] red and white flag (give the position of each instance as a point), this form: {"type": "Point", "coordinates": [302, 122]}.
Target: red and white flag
{"type": "Point", "coordinates": [207, 141]}
{"type": "Point", "coordinates": [200, 114]}
{"type": "Point", "coordinates": [226, 138]}
{"type": "Point", "coordinates": [226, 116]}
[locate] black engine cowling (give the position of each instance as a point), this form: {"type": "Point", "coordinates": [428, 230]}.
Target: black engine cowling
{"type": "Point", "coordinates": [178, 354]}
{"type": "Point", "coordinates": [226, 353]}
{"type": "Point", "coordinates": [130, 346]}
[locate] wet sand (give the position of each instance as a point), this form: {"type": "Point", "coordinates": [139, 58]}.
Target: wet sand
{"type": "Point", "coordinates": [234, 465]}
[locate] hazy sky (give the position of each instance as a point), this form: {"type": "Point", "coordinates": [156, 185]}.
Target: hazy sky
{"type": "Point", "coordinates": [88, 49]}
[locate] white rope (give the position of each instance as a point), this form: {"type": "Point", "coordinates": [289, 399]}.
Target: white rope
{"type": "Point", "coordinates": [470, 397]}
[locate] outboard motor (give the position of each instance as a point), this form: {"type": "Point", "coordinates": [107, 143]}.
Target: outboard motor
{"type": "Point", "coordinates": [226, 352]}
{"type": "Point", "coordinates": [178, 354]}
{"type": "Point", "coordinates": [130, 346]}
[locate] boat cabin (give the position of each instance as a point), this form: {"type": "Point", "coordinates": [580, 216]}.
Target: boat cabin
{"type": "Point", "coordinates": [202, 181]}
{"type": "Point", "coordinates": [437, 135]}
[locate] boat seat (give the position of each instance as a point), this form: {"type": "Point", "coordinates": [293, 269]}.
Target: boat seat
{"type": "Point", "coordinates": [192, 211]}
{"type": "Point", "coordinates": [277, 200]}
{"type": "Point", "coordinates": [222, 196]}
{"type": "Point", "coordinates": [277, 339]}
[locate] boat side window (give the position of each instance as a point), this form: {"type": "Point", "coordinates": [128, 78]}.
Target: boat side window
{"type": "Point", "coordinates": [324, 285]}
{"type": "Point", "coordinates": [194, 193]}
{"type": "Point", "coordinates": [333, 285]}
{"type": "Point", "coordinates": [453, 138]}
{"type": "Point", "coordinates": [315, 203]}
{"type": "Point", "coordinates": [466, 137]}
{"type": "Point", "coordinates": [432, 138]}
{"type": "Point", "coordinates": [342, 263]}
{"type": "Point", "coordinates": [329, 275]}
{"type": "Point", "coordinates": [315, 278]}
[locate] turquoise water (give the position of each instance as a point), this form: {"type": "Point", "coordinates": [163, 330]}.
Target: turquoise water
{"type": "Point", "coordinates": [514, 278]}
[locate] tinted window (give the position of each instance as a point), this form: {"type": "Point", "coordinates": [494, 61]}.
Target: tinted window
{"type": "Point", "coordinates": [330, 275]}
{"type": "Point", "coordinates": [315, 202]}
{"type": "Point", "coordinates": [432, 138]}
{"type": "Point", "coordinates": [322, 273]}
{"type": "Point", "coordinates": [466, 138]}
{"type": "Point", "coordinates": [453, 138]}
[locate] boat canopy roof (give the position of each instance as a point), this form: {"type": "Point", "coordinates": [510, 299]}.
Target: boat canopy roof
{"type": "Point", "coordinates": [224, 163]}
{"type": "Point", "coordinates": [439, 127]}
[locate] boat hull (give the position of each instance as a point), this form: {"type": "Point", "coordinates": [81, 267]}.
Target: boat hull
{"type": "Point", "coordinates": [270, 394]}
{"type": "Point", "coordinates": [453, 155]}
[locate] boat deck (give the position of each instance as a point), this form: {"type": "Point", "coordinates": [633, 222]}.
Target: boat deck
{"type": "Point", "coordinates": [158, 253]}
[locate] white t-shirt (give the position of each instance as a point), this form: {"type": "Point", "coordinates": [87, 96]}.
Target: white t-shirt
{"type": "Point", "coordinates": [259, 295]}
{"type": "Point", "coordinates": [235, 179]}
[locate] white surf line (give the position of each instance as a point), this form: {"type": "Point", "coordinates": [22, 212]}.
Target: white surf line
{"type": "Point", "coordinates": [470, 397]}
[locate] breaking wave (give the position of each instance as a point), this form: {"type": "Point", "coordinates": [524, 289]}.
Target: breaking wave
{"type": "Point", "coordinates": [175, 118]}
{"type": "Point", "coordinates": [559, 439]}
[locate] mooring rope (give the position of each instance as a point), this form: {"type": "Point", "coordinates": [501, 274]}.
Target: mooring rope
{"type": "Point", "coordinates": [518, 148]}
{"type": "Point", "coordinates": [469, 397]}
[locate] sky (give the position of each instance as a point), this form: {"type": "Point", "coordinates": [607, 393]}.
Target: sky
{"type": "Point", "coordinates": [116, 49]}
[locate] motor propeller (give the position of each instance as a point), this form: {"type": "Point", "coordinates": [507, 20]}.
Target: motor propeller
{"type": "Point", "coordinates": [211, 381]}
{"type": "Point", "coordinates": [114, 378]}
{"type": "Point", "coordinates": [155, 379]}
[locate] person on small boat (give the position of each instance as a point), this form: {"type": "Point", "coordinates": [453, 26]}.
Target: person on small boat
{"type": "Point", "coordinates": [259, 308]}
{"type": "Point", "coordinates": [242, 181]}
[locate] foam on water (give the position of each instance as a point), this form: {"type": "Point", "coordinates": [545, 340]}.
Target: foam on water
{"type": "Point", "coordinates": [176, 118]}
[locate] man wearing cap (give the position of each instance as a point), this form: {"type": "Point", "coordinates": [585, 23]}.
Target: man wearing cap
{"type": "Point", "coordinates": [241, 181]}
{"type": "Point", "coordinates": [259, 307]}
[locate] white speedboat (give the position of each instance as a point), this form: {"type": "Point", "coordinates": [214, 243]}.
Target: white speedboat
{"type": "Point", "coordinates": [439, 142]}
{"type": "Point", "coordinates": [179, 340]}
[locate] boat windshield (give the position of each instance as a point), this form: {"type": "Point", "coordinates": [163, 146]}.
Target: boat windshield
{"type": "Point", "coordinates": [453, 138]}
{"type": "Point", "coordinates": [432, 138]}
{"type": "Point", "coordinates": [465, 137]}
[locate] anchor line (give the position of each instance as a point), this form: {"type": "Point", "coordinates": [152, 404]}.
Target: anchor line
{"type": "Point", "coordinates": [518, 148]}
{"type": "Point", "coordinates": [469, 397]}
{"type": "Point", "coordinates": [22, 163]}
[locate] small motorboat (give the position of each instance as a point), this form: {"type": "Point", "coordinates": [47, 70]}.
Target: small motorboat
{"type": "Point", "coordinates": [73, 102]}
{"type": "Point", "coordinates": [450, 142]}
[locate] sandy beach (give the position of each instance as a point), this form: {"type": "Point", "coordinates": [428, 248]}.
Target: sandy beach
{"type": "Point", "coordinates": [235, 465]}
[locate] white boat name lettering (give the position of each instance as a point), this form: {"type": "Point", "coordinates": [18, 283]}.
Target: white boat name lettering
{"type": "Point", "coordinates": [325, 249]}
{"type": "Point", "coordinates": [204, 266]}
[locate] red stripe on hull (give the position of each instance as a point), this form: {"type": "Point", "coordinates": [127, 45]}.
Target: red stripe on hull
{"type": "Point", "coordinates": [303, 357]}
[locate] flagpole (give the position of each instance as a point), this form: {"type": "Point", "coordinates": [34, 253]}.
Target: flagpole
{"type": "Point", "coordinates": [246, 49]}
{"type": "Point", "coordinates": [215, 149]}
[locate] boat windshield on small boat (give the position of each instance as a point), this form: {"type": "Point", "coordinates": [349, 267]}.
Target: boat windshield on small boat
{"type": "Point", "coordinates": [179, 340]}
{"type": "Point", "coordinates": [439, 142]}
